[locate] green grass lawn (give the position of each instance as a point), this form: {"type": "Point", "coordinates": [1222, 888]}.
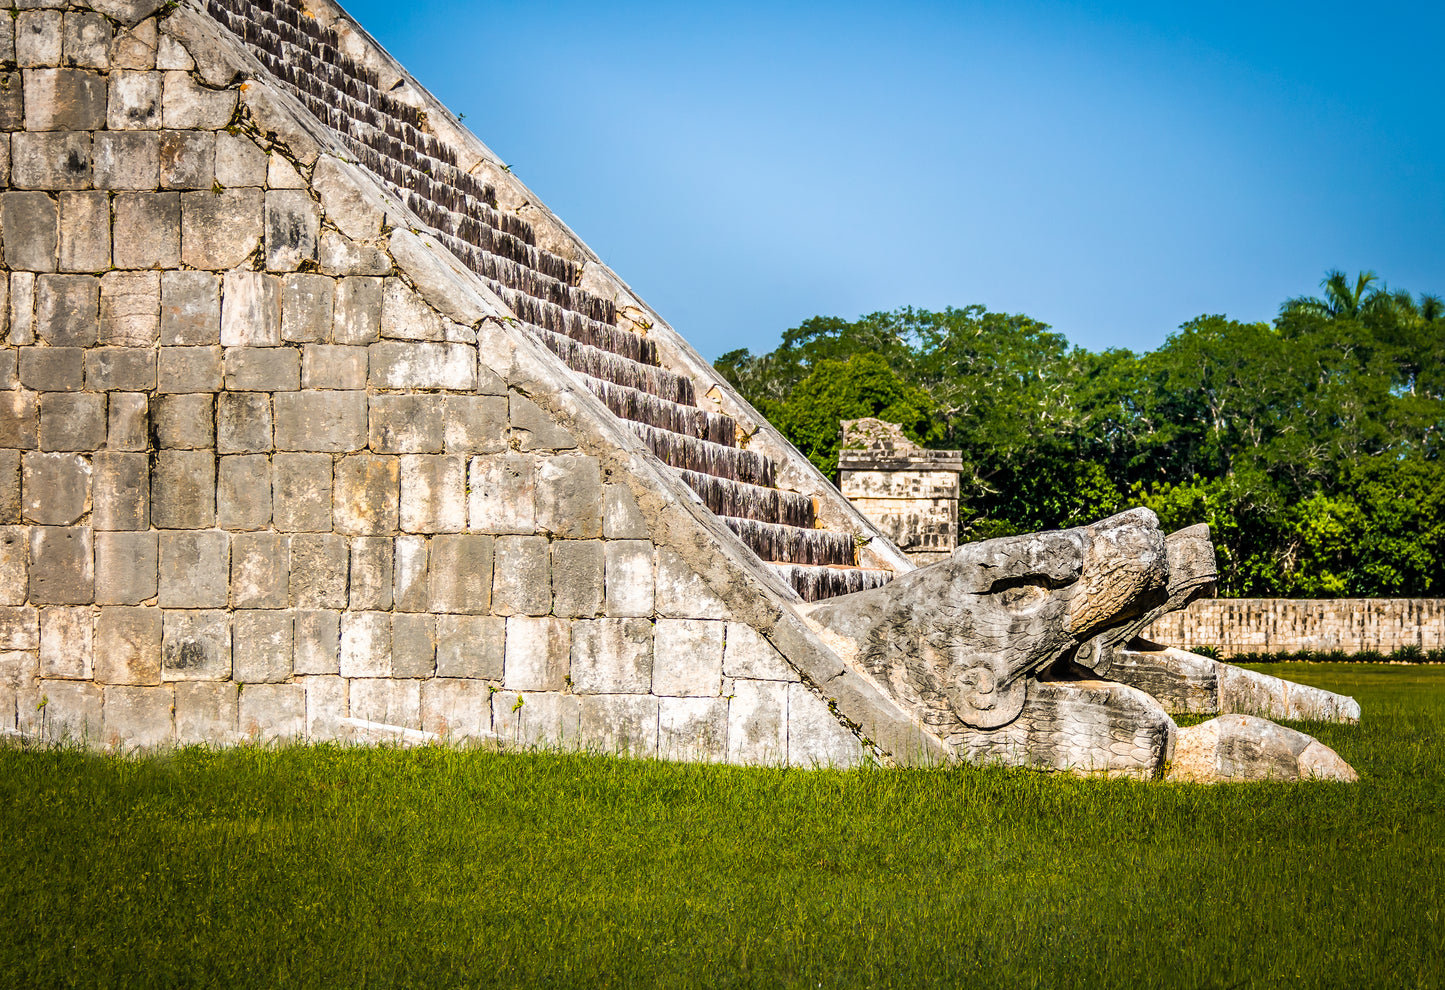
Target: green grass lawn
{"type": "Point", "coordinates": [350, 867]}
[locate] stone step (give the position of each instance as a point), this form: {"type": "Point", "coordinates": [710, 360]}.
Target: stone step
{"type": "Point", "coordinates": [814, 584]}
{"type": "Point", "coordinates": [619, 370]}
{"type": "Point", "coordinates": [692, 454]}
{"type": "Point", "coordinates": [643, 407]}
{"type": "Point", "coordinates": [726, 497]}
{"type": "Point", "coordinates": [793, 545]}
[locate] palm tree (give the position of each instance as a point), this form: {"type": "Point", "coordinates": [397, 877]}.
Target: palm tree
{"type": "Point", "coordinates": [1343, 300]}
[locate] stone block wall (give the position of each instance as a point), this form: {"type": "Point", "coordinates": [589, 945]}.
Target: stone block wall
{"type": "Point", "coordinates": [909, 493]}
{"type": "Point", "coordinates": [257, 482]}
{"type": "Point", "coordinates": [1245, 625]}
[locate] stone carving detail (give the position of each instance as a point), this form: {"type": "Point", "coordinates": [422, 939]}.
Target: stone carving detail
{"type": "Point", "coordinates": [1007, 651]}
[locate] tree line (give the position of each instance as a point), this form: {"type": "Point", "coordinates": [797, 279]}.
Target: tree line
{"type": "Point", "coordinates": [1311, 445]}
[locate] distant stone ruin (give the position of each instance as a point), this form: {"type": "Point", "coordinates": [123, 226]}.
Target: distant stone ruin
{"type": "Point", "coordinates": [316, 425]}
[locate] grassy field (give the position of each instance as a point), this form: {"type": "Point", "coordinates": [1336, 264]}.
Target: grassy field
{"type": "Point", "coordinates": [384, 868]}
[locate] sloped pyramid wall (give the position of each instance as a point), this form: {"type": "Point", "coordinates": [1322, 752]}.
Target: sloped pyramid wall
{"type": "Point", "coordinates": [282, 458]}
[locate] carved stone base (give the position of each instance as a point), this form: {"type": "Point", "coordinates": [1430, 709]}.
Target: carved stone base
{"type": "Point", "coordinates": [1242, 747]}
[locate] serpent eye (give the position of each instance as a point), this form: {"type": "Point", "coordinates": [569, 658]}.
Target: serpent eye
{"type": "Point", "coordinates": [1019, 597]}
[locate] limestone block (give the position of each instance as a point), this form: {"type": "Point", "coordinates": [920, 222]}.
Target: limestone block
{"type": "Point", "coordinates": [815, 736]}
{"type": "Point", "coordinates": [692, 729]}
{"type": "Point", "coordinates": [749, 655]}
{"type": "Point", "coordinates": [12, 90]}
{"type": "Point", "coordinates": [194, 569]}
{"type": "Point", "coordinates": [72, 713]}
{"type": "Point", "coordinates": [122, 491]}
{"type": "Point", "coordinates": [357, 311]}
{"type": "Point", "coordinates": [129, 12]}
{"type": "Point", "coordinates": [758, 722]}
{"type": "Point", "coordinates": [207, 713]}
{"type": "Point", "coordinates": [259, 564]}
{"type": "Point", "coordinates": [411, 591]}
{"type": "Point", "coordinates": [460, 574]}
{"type": "Point", "coordinates": [52, 369]}
{"type": "Point", "coordinates": [187, 160]}
{"type": "Point", "coordinates": [337, 366]}
{"type": "Point", "coordinates": [307, 310]}
{"type": "Point", "coordinates": [433, 493]}
{"type": "Point", "coordinates": [189, 369]}
{"type": "Point", "coordinates": [1247, 692]}
{"type": "Point", "coordinates": [129, 160]}
{"type": "Point", "coordinates": [67, 309]}
{"type": "Point", "coordinates": [388, 701]}
{"type": "Point", "coordinates": [293, 223]}
{"type": "Point", "coordinates": [243, 492]}
{"type": "Point", "coordinates": [317, 647]}
{"type": "Point", "coordinates": [327, 703]}
{"type": "Point", "coordinates": [475, 424]}
{"type": "Point", "coordinates": [629, 578]}
{"type": "Point", "coordinates": [522, 582]}
{"type": "Point", "coordinates": [470, 646]}
{"type": "Point", "coordinates": [127, 568]}
{"type": "Point", "coordinates": [72, 422]}
{"type": "Point", "coordinates": [569, 497]}
{"type": "Point", "coordinates": [263, 369]}
{"type": "Point", "coordinates": [220, 230]}
{"type": "Point", "coordinates": [135, 101]}
{"type": "Point", "coordinates": [405, 316]}
{"type": "Point", "coordinates": [19, 629]}
{"type": "Point", "coordinates": [32, 234]}
{"type": "Point", "coordinates": [577, 578]}
{"type": "Point", "coordinates": [38, 37]}
{"type": "Point", "coordinates": [537, 654]}
{"type": "Point", "coordinates": [405, 424]}
{"type": "Point", "coordinates": [367, 491]}
{"type": "Point", "coordinates": [189, 105]}
{"type": "Point", "coordinates": [190, 308]}
{"type": "Point", "coordinates": [456, 709]}
{"type": "Point", "coordinates": [535, 429]}
{"type": "Point", "coordinates": [62, 565]}
{"type": "Point", "coordinates": [250, 310]}
{"type": "Point", "coordinates": [138, 717]}
{"type": "Point", "coordinates": [348, 198]}
{"type": "Point", "coordinates": [56, 488]}
{"type": "Point", "coordinates": [687, 661]}
{"type": "Point", "coordinates": [365, 644]}
{"type": "Point", "coordinates": [238, 161]}
{"type": "Point", "coordinates": [541, 719]}
{"type": "Point", "coordinates": [64, 99]}
{"type": "Point", "coordinates": [185, 421]}
{"type": "Point", "coordinates": [128, 647]}
{"type": "Point", "coordinates": [319, 566]}
{"type": "Point", "coordinates": [371, 574]}
{"type": "Point", "coordinates": [21, 291]}
{"type": "Point", "coordinates": [120, 369]}
{"type": "Point", "coordinates": [67, 648]}
{"type": "Point", "coordinates": [342, 256]}
{"type": "Point", "coordinates": [58, 160]}
{"type": "Point", "coordinates": [261, 646]}
{"type": "Point", "coordinates": [14, 554]}
{"type": "Point", "coordinates": [413, 644]}
{"type": "Point", "coordinates": [502, 494]}
{"type": "Point", "coordinates": [612, 656]}
{"type": "Point", "coordinates": [271, 115]}
{"type": "Point", "coordinates": [622, 519]}
{"type": "Point", "coordinates": [281, 174]}
{"type": "Point", "coordinates": [243, 422]}
{"type": "Point", "coordinates": [273, 712]}
{"type": "Point", "coordinates": [681, 591]}
{"type": "Point", "coordinates": [1243, 747]}
{"type": "Point", "coordinates": [135, 47]}
{"type": "Point", "coordinates": [84, 231]}
{"type": "Point", "coordinates": [418, 364]}
{"type": "Point", "coordinates": [301, 492]}
{"type": "Point", "coordinates": [86, 41]}
{"type": "Point", "coordinates": [19, 420]}
{"type": "Point", "coordinates": [196, 646]}
{"type": "Point", "coordinates": [130, 308]}
{"type": "Point", "coordinates": [321, 421]}
{"type": "Point", "coordinates": [621, 724]}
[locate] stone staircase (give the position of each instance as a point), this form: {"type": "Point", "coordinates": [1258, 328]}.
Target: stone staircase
{"type": "Point", "coordinates": [620, 366]}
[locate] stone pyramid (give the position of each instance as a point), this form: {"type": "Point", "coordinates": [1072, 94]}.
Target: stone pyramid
{"type": "Point", "coordinates": [316, 424]}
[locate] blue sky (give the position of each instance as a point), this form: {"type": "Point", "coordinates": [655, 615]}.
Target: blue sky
{"type": "Point", "coordinates": [1111, 169]}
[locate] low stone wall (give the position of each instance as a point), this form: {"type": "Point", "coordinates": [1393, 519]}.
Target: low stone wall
{"type": "Point", "coordinates": [1245, 625]}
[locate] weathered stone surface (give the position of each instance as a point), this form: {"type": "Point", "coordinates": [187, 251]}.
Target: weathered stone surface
{"type": "Point", "coordinates": [327, 704]}
{"type": "Point", "coordinates": [406, 424]}
{"type": "Point", "coordinates": [433, 493]}
{"type": "Point", "coordinates": [537, 654]}
{"type": "Point", "coordinates": [183, 489]}
{"type": "Point", "coordinates": [261, 646]}
{"type": "Point", "coordinates": [366, 644]}
{"type": "Point", "coordinates": [535, 429]}
{"type": "Point", "coordinates": [321, 421]}
{"type": "Point", "coordinates": [32, 233]}
{"type": "Point", "coordinates": [19, 629]}
{"type": "Point", "coordinates": [135, 101]}
{"type": "Point", "coordinates": [371, 574]}
{"type": "Point", "coordinates": [243, 423]}
{"type": "Point", "coordinates": [1249, 693]}
{"type": "Point", "coordinates": [189, 105]}
{"type": "Point", "coordinates": [681, 590]}
{"type": "Point", "coordinates": [387, 701]}
{"type": "Point", "coordinates": [259, 570]}
{"type": "Point", "coordinates": [502, 494]}
{"type": "Point", "coordinates": [187, 160]}
{"type": "Point", "coordinates": [14, 561]}
{"type": "Point", "coordinates": [456, 709]}
{"type": "Point", "coordinates": [569, 497]}
{"type": "Point", "coordinates": [190, 308]}
{"type": "Point", "coordinates": [693, 729]}
{"type": "Point", "coordinates": [22, 301]}
{"type": "Point", "coordinates": [470, 646]}
{"type": "Point", "coordinates": [72, 712]}
{"type": "Point", "coordinates": [239, 162]}
{"type": "Point", "coordinates": [410, 592]}
{"type": "Point", "coordinates": [67, 648]}
{"type": "Point", "coordinates": [250, 310]}
{"type": "Point", "coordinates": [758, 722]}
{"type": "Point", "coordinates": [815, 736]}
{"type": "Point", "coordinates": [38, 37]}
{"type": "Point", "coordinates": [621, 724]}
{"type": "Point", "coordinates": [749, 655]}
{"type": "Point", "coordinates": [129, 160]}
{"type": "Point", "coordinates": [84, 231]}
{"type": "Point", "coordinates": [138, 717]}
{"type": "Point", "coordinates": [293, 224]}
{"type": "Point", "coordinates": [19, 419]}
{"type": "Point", "coordinates": [540, 719]}
{"type": "Point", "coordinates": [86, 41]}
{"type": "Point", "coordinates": [52, 369]}
{"type": "Point", "coordinates": [1242, 747]}
{"type": "Point", "coordinates": [67, 309]}
{"type": "Point", "coordinates": [318, 641]}
{"type": "Point", "coordinates": [622, 519]}
{"type": "Point", "coordinates": [418, 364]}
{"type": "Point", "coordinates": [629, 578]}
{"type": "Point", "coordinates": [522, 584]}
{"type": "Point", "coordinates": [263, 369]}
{"type": "Point", "coordinates": [62, 565]}
{"type": "Point", "coordinates": [122, 491]}
{"type": "Point", "coordinates": [460, 574]}
{"type": "Point", "coordinates": [367, 491]}
{"type": "Point", "coordinates": [127, 567]}
{"type": "Point", "coordinates": [114, 369]}
{"type": "Point", "coordinates": [128, 646]}
{"type": "Point", "coordinates": [57, 488]}
{"type": "Point", "coordinates": [196, 646]}
{"type": "Point", "coordinates": [130, 304]}
{"type": "Point", "coordinates": [687, 658]}
{"type": "Point", "coordinates": [219, 231]}
{"type": "Point", "coordinates": [577, 578]}
{"type": "Point", "coordinates": [319, 566]}
{"type": "Point", "coordinates": [184, 421]}
{"type": "Point", "coordinates": [129, 417]}
{"type": "Point", "coordinates": [301, 492]}
{"type": "Point", "coordinates": [64, 99]}
{"type": "Point", "coordinates": [342, 256]}
{"type": "Point", "coordinates": [475, 424]}
{"type": "Point", "coordinates": [189, 369]}
{"type": "Point", "coordinates": [72, 422]}
{"type": "Point", "coordinates": [307, 303]}
{"type": "Point", "coordinates": [195, 567]}
{"type": "Point", "coordinates": [59, 160]}
{"type": "Point", "coordinates": [405, 316]}
{"type": "Point", "coordinates": [357, 311]}
{"type": "Point", "coordinates": [273, 712]}
{"type": "Point", "coordinates": [413, 644]}
{"type": "Point", "coordinates": [336, 366]}
{"type": "Point", "coordinates": [206, 713]}
{"type": "Point", "coordinates": [613, 656]}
